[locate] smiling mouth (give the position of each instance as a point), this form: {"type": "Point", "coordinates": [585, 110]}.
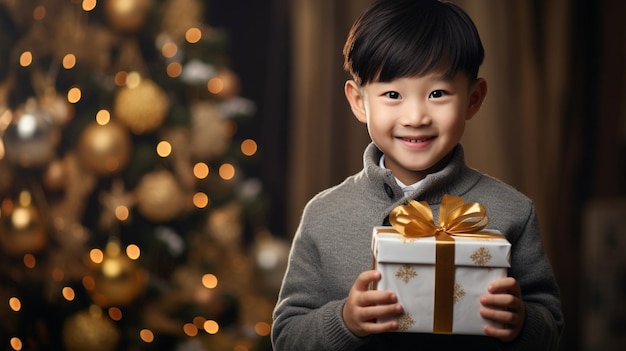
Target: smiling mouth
{"type": "Point", "coordinates": [420, 140]}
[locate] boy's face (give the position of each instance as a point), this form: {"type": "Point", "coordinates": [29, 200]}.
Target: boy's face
{"type": "Point", "coordinates": [416, 121]}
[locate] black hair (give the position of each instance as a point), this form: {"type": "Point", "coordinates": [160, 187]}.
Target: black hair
{"type": "Point", "coordinates": [403, 38]}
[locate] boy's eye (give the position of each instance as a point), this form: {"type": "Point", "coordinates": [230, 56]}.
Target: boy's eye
{"type": "Point", "coordinates": [392, 94]}
{"type": "Point", "coordinates": [436, 94]}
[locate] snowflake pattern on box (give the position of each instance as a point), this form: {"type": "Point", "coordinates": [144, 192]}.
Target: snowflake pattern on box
{"type": "Point", "coordinates": [406, 273]}
{"type": "Point", "coordinates": [481, 256]}
{"type": "Point", "coordinates": [459, 293]}
{"type": "Point", "coordinates": [405, 321]}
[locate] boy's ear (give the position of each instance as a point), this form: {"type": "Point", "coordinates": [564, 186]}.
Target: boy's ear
{"type": "Point", "coordinates": [478, 92]}
{"type": "Point", "coordinates": [355, 99]}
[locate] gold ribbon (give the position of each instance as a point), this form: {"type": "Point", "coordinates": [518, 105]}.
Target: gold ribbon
{"type": "Point", "coordinates": [456, 218]}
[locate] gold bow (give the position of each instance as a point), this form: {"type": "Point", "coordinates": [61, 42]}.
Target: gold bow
{"type": "Point", "coordinates": [456, 218]}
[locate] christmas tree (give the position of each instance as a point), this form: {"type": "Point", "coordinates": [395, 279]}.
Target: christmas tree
{"type": "Point", "coordinates": [127, 220]}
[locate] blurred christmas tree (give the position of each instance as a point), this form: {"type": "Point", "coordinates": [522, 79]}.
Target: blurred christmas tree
{"type": "Point", "coordinates": [126, 219]}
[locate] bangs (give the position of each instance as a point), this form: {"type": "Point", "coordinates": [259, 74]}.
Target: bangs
{"type": "Point", "coordinates": [394, 45]}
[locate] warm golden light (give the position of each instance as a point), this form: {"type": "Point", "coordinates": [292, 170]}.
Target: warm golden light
{"type": "Point", "coordinates": [190, 330]}
{"type": "Point", "coordinates": [74, 95]}
{"type": "Point", "coordinates": [199, 321]}
{"type": "Point", "coordinates": [169, 50]}
{"type": "Point", "coordinates": [89, 5]}
{"type": "Point", "coordinates": [248, 147]}
{"type": "Point", "coordinates": [215, 85]}
{"type": "Point", "coordinates": [146, 335]}
{"type": "Point", "coordinates": [209, 280]}
{"type": "Point", "coordinates": [89, 283]}
{"type": "Point", "coordinates": [26, 59]}
{"type": "Point", "coordinates": [68, 293]}
{"type": "Point", "coordinates": [211, 327]}
{"type": "Point", "coordinates": [174, 69]}
{"type": "Point", "coordinates": [262, 328]}
{"type": "Point", "coordinates": [133, 252]}
{"type": "Point", "coordinates": [15, 304]}
{"type": "Point", "coordinates": [115, 313]}
{"type": "Point", "coordinates": [133, 79]}
{"type": "Point", "coordinates": [227, 171]}
{"type": "Point", "coordinates": [120, 78]}
{"type": "Point", "coordinates": [122, 213]}
{"type": "Point", "coordinates": [69, 61]}
{"type": "Point", "coordinates": [30, 261]}
{"type": "Point", "coordinates": [201, 170]}
{"type": "Point", "coordinates": [164, 148]}
{"type": "Point", "coordinates": [193, 35]}
{"type": "Point", "coordinates": [96, 255]}
{"type": "Point", "coordinates": [39, 12]}
{"type": "Point", "coordinates": [103, 117]}
{"type": "Point", "coordinates": [16, 343]}
{"type": "Point", "coordinates": [200, 200]}
{"type": "Point", "coordinates": [240, 348]}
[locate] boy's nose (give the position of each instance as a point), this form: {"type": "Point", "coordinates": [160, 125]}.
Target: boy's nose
{"type": "Point", "coordinates": [416, 116]}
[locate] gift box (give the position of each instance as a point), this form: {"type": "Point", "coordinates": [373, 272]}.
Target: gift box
{"type": "Point", "coordinates": [439, 271]}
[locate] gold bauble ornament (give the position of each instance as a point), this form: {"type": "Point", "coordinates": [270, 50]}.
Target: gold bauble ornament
{"type": "Point", "coordinates": [22, 228]}
{"type": "Point", "coordinates": [210, 136]}
{"type": "Point", "coordinates": [118, 279]}
{"type": "Point", "coordinates": [141, 107]}
{"type": "Point", "coordinates": [126, 16]}
{"type": "Point", "coordinates": [104, 149]}
{"type": "Point", "coordinates": [89, 330]}
{"type": "Point", "coordinates": [159, 196]}
{"type": "Point", "coordinates": [30, 140]}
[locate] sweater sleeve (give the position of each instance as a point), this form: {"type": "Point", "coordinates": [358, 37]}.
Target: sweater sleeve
{"type": "Point", "coordinates": [306, 317]}
{"type": "Point", "coordinates": [530, 267]}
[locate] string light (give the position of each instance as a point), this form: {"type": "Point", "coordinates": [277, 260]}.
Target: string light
{"type": "Point", "coordinates": [209, 281]}
{"type": "Point", "coordinates": [190, 330]}
{"type": "Point", "coordinates": [193, 35]}
{"type": "Point", "coordinates": [227, 171]}
{"type": "Point", "coordinates": [16, 343]}
{"type": "Point", "coordinates": [96, 255]}
{"type": "Point", "coordinates": [248, 147]}
{"type": "Point", "coordinates": [69, 61]}
{"type": "Point", "coordinates": [164, 148]}
{"type": "Point", "coordinates": [115, 313]}
{"type": "Point", "coordinates": [200, 200]}
{"type": "Point", "coordinates": [30, 261]}
{"type": "Point", "coordinates": [15, 304]}
{"type": "Point", "coordinates": [174, 69]}
{"type": "Point", "coordinates": [103, 117]}
{"type": "Point", "coordinates": [201, 170]}
{"type": "Point", "coordinates": [26, 59]}
{"type": "Point", "coordinates": [133, 252]}
{"type": "Point", "coordinates": [74, 95]}
{"type": "Point", "coordinates": [146, 335]}
{"type": "Point", "coordinates": [89, 5]}
{"type": "Point", "coordinates": [211, 326]}
{"type": "Point", "coordinates": [68, 293]}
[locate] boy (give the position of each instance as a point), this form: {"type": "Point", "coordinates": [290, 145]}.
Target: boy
{"type": "Point", "coordinates": [414, 66]}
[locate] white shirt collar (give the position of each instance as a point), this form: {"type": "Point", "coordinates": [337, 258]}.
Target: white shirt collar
{"type": "Point", "coordinates": [406, 189]}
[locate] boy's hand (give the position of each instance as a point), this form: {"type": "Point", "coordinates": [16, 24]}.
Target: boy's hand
{"type": "Point", "coordinates": [364, 307]}
{"type": "Point", "coordinates": [503, 304]}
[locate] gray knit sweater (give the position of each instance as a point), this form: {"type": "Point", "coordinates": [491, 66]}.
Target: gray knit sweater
{"type": "Point", "coordinates": [332, 247]}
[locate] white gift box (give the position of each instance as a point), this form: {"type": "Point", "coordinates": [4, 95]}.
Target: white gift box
{"type": "Point", "coordinates": [408, 268]}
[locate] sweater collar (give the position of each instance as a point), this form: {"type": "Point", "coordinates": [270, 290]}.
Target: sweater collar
{"type": "Point", "coordinates": [455, 178]}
